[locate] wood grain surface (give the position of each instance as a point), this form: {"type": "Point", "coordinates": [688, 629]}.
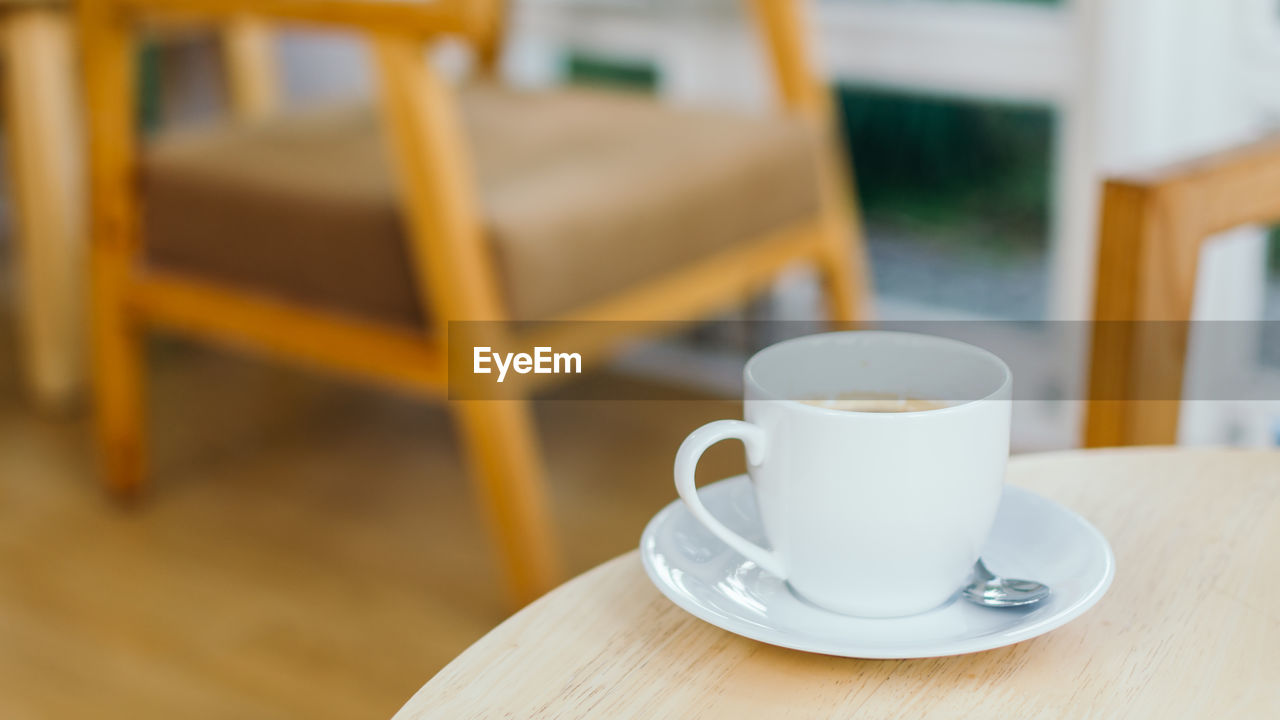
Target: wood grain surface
{"type": "Point", "coordinates": [1190, 628]}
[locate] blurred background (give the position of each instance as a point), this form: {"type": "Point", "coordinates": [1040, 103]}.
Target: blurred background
{"type": "Point", "coordinates": [308, 545]}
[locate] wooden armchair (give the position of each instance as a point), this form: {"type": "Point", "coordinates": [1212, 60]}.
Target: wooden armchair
{"type": "Point", "coordinates": [1153, 227]}
{"type": "Point", "coordinates": [447, 203]}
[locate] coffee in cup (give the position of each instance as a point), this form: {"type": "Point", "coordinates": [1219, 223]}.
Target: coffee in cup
{"type": "Point", "coordinates": [862, 401]}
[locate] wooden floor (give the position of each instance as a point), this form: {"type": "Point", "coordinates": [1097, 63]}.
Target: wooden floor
{"type": "Point", "coordinates": [307, 549]}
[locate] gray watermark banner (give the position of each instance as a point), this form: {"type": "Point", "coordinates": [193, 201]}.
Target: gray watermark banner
{"type": "Point", "coordinates": [1050, 360]}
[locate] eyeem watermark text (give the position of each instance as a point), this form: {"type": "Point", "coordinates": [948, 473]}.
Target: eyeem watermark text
{"type": "Point", "coordinates": [543, 361]}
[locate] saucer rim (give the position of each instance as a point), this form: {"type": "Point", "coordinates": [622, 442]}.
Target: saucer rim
{"type": "Point", "coordinates": [922, 649]}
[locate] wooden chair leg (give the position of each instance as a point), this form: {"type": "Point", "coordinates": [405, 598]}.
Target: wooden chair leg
{"type": "Point", "coordinates": [843, 267]}
{"type": "Point", "coordinates": [109, 48]}
{"type": "Point", "coordinates": [252, 73]}
{"type": "Point", "coordinates": [843, 287]}
{"type": "Point", "coordinates": [45, 156]}
{"type": "Point", "coordinates": [506, 468]}
{"type": "Point", "coordinates": [117, 359]}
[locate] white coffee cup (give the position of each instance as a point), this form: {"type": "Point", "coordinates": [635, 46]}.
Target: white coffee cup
{"type": "Point", "coordinates": [874, 514]}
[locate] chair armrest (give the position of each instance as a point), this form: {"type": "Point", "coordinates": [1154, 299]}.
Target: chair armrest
{"type": "Point", "coordinates": [1229, 188]}
{"type": "Point", "coordinates": [1153, 227]}
{"type": "Point", "coordinates": [424, 18]}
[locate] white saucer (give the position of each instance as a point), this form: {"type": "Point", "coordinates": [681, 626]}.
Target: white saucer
{"type": "Point", "coordinates": [1033, 538]}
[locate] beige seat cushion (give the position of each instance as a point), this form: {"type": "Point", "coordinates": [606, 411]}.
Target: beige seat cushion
{"type": "Point", "coordinates": [584, 193]}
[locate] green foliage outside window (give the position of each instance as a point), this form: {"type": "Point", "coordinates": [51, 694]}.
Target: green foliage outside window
{"type": "Point", "coordinates": [585, 69]}
{"type": "Point", "coordinates": [966, 176]}
{"type": "Point", "coordinates": [1273, 252]}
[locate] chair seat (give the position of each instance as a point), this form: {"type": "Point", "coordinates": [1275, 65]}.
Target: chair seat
{"type": "Point", "coordinates": [583, 192]}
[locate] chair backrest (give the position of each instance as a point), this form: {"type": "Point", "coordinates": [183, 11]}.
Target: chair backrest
{"type": "Point", "coordinates": [464, 18]}
{"type": "Point", "coordinates": [423, 128]}
{"type": "Point", "coordinates": [31, 3]}
{"type": "Point", "coordinates": [1153, 227]}
{"type": "Point", "coordinates": [482, 23]}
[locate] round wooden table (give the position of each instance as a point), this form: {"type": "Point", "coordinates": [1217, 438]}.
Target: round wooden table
{"type": "Point", "coordinates": [1190, 627]}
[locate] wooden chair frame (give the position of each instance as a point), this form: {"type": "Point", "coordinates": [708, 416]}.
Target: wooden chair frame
{"type": "Point", "coordinates": [448, 250]}
{"type": "Point", "coordinates": [1153, 227]}
{"type": "Point", "coordinates": [43, 137]}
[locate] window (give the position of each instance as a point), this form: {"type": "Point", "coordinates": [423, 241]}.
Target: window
{"type": "Point", "coordinates": [955, 196]}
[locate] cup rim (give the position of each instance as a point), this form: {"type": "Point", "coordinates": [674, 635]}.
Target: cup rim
{"type": "Point", "coordinates": [750, 379]}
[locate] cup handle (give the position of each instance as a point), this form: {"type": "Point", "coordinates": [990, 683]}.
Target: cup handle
{"type": "Point", "coordinates": [754, 440]}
